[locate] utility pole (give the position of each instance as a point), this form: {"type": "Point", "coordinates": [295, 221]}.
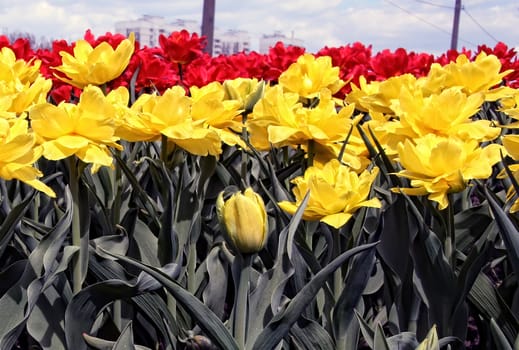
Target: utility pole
{"type": "Point", "coordinates": [456, 25]}
{"type": "Point", "coordinates": [208, 24]}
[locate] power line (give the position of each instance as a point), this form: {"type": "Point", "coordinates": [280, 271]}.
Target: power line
{"type": "Point", "coordinates": [478, 24]}
{"type": "Point", "coordinates": [420, 18]}
{"type": "Point", "coordinates": [435, 5]}
{"type": "Point", "coordinates": [425, 21]}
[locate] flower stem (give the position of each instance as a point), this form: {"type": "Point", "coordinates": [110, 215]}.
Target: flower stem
{"type": "Point", "coordinates": [245, 156]}
{"type": "Point", "coordinates": [337, 274]}
{"type": "Point", "coordinates": [116, 307]}
{"type": "Point", "coordinates": [172, 304]}
{"type": "Point", "coordinates": [36, 212]}
{"type": "Point", "coordinates": [191, 268]}
{"type": "Point", "coordinates": [310, 153]}
{"type": "Point", "coordinates": [76, 225]}
{"type": "Point", "coordinates": [164, 149]}
{"type": "Point", "coordinates": [242, 299]}
{"type": "Point", "coordinates": [450, 237]}
{"type": "Point", "coordinates": [117, 186]}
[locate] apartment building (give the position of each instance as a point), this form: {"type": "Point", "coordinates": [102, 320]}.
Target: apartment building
{"type": "Point", "coordinates": [231, 41]}
{"type": "Point", "coordinates": [268, 40]}
{"type": "Point", "coordinates": [148, 28]}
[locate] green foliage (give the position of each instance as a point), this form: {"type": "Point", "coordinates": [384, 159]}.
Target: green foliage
{"type": "Point", "coordinates": [159, 273]}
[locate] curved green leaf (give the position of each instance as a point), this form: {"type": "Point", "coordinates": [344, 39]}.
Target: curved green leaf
{"type": "Point", "coordinates": [280, 325]}
{"type": "Point", "coordinates": [204, 317]}
{"type": "Point", "coordinates": [507, 229]}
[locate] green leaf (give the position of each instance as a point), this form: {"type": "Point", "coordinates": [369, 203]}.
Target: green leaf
{"type": "Point", "coordinates": [125, 340]}
{"type": "Point", "coordinates": [499, 337]}
{"type": "Point", "coordinates": [83, 309]}
{"type": "Point", "coordinates": [380, 341]}
{"type": "Point", "coordinates": [486, 298]}
{"type": "Point", "coordinates": [309, 335]}
{"type": "Point", "coordinates": [478, 257]}
{"type": "Point", "coordinates": [435, 280]}
{"type": "Point", "coordinates": [46, 321]}
{"type": "Point", "coordinates": [146, 243]}
{"type": "Point", "coordinates": [140, 194]}
{"type": "Point", "coordinates": [101, 344]}
{"type": "Point", "coordinates": [168, 245]}
{"type": "Point", "coordinates": [397, 234]}
{"type": "Point", "coordinates": [273, 281]}
{"type": "Point", "coordinates": [367, 332]}
{"type": "Point", "coordinates": [11, 275]}
{"type": "Point", "coordinates": [403, 341]}
{"type": "Point", "coordinates": [204, 317]}
{"type": "Point", "coordinates": [357, 278]}
{"type": "Point", "coordinates": [280, 325]}
{"type": "Point", "coordinates": [431, 341]}
{"type": "Point", "coordinates": [470, 224]}
{"type": "Point", "coordinates": [113, 243]}
{"type": "Point", "coordinates": [218, 279]}
{"type": "Point", "coordinates": [507, 229]}
{"type": "Point", "coordinates": [40, 270]}
{"type": "Point", "coordinates": [14, 216]}
{"type": "Point", "coordinates": [150, 304]}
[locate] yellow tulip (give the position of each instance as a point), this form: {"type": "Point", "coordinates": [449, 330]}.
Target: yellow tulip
{"type": "Point", "coordinates": [11, 68]}
{"type": "Point", "coordinates": [21, 84]}
{"type": "Point", "coordinates": [376, 96]}
{"type": "Point", "coordinates": [438, 165]}
{"type": "Point", "coordinates": [275, 108]}
{"type": "Point", "coordinates": [479, 75]}
{"type": "Point", "coordinates": [279, 120]}
{"type": "Point", "coordinates": [85, 130]}
{"type": "Point", "coordinates": [247, 91]}
{"type": "Point", "coordinates": [18, 152]}
{"type": "Point", "coordinates": [510, 106]}
{"type": "Point", "coordinates": [447, 113]}
{"type": "Point", "coordinates": [244, 218]}
{"type": "Point", "coordinates": [170, 115]}
{"type": "Point", "coordinates": [95, 66]}
{"type": "Point", "coordinates": [336, 193]}
{"type": "Point", "coordinates": [309, 75]}
{"type": "Point", "coordinates": [511, 145]}
{"type": "Point", "coordinates": [211, 110]}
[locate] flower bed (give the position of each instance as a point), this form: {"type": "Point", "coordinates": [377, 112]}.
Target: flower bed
{"type": "Point", "coordinates": [163, 198]}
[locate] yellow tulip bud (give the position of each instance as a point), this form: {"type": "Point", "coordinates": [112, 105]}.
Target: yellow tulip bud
{"type": "Point", "coordinates": [244, 218]}
{"type": "Point", "coordinates": [244, 90]}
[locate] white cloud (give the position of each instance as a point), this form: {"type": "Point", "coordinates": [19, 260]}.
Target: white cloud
{"type": "Point", "coordinates": [317, 22]}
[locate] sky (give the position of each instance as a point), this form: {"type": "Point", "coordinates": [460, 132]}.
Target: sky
{"type": "Point", "coordinates": [416, 25]}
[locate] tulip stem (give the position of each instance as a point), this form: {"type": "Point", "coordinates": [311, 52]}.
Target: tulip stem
{"type": "Point", "coordinates": [117, 318]}
{"type": "Point", "coordinates": [172, 304]}
{"type": "Point", "coordinates": [36, 212]}
{"type": "Point", "coordinates": [164, 148]}
{"type": "Point", "coordinates": [337, 274]}
{"type": "Point", "coordinates": [449, 231]}
{"type": "Point", "coordinates": [242, 299]}
{"type": "Point", "coordinates": [76, 225]}
{"type": "Point", "coordinates": [117, 187]}
{"type": "Point", "coordinates": [310, 153]}
{"type": "Point", "coordinates": [191, 268]}
{"type": "Point", "coordinates": [245, 156]}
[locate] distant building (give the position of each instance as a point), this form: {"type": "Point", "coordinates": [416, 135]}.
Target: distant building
{"type": "Point", "coordinates": [230, 42]}
{"type": "Point", "coordinates": [147, 29]}
{"type": "Point", "coordinates": [269, 40]}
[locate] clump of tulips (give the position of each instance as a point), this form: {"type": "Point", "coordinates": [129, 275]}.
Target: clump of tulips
{"type": "Point", "coordinates": [336, 200]}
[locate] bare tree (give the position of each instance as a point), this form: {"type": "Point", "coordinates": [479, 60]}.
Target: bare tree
{"type": "Point", "coordinates": [24, 35]}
